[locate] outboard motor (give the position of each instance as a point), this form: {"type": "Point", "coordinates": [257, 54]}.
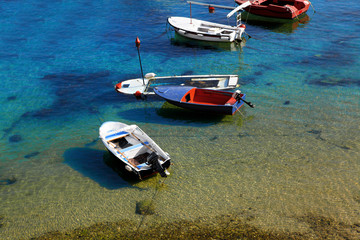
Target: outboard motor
{"type": "Point", "coordinates": [236, 95]}
{"type": "Point", "coordinates": [153, 161]}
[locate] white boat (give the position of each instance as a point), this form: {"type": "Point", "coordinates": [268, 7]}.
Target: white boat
{"type": "Point", "coordinates": [206, 31]}
{"type": "Point", "coordinates": [209, 31]}
{"type": "Point", "coordinates": [137, 152]}
{"type": "Point", "coordinates": [145, 86]}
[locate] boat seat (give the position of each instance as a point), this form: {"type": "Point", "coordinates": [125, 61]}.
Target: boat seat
{"type": "Point", "coordinates": [117, 135]}
{"type": "Point", "coordinates": [277, 8]}
{"type": "Point", "coordinates": [203, 29]}
{"type": "Point", "coordinates": [231, 101]}
{"type": "Point", "coordinates": [129, 154]}
{"type": "Point", "coordinates": [214, 30]}
{"type": "Point", "coordinates": [133, 147]}
{"type": "Point", "coordinates": [227, 33]}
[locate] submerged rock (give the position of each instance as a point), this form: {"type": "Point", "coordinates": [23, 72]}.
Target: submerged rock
{"type": "Point", "coordinates": [214, 138]}
{"type": "Point", "coordinates": [30, 155]}
{"type": "Point", "coordinates": [145, 207]}
{"type": "Point", "coordinates": [15, 138]}
{"type": "Point", "coordinates": [11, 98]}
{"type": "Point", "coordinates": [325, 80]}
{"type": "Point", "coordinates": [314, 131]}
{"type": "Point", "coordinates": [8, 181]}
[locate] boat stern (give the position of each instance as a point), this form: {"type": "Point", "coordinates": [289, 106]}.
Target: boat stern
{"type": "Point", "coordinates": [239, 34]}
{"type": "Point", "coordinates": [239, 101]}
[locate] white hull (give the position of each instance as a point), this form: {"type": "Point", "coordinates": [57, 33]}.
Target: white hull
{"type": "Point", "coordinates": [220, 82]}
{"type": "Point", "coordinates": [133, 147]}
{"type": "Point", "coordinates": [206, 31]}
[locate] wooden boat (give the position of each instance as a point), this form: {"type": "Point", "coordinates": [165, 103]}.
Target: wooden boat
{"type": "Point", "coordinates": [209, 31]}
{"type": "Point", "coordinates": [283, 9]}
{"type": "Point", "coordinates": [135, 149]}
{"type": "Point", "coordinates": [140, 86]}
{"type": "Point", "coordinates": [205, 100]}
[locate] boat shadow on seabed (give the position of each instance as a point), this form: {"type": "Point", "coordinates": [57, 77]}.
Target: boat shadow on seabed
{"type": "Point", "coordinates": [169, 114]}
{"type": "Point", "coordinates": [279, 25]}
{"type": "Point", "coordinates": [89, 163]}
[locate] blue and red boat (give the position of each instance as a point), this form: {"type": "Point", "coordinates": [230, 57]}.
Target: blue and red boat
{"type": "Point", "coordinates": [204, 100]}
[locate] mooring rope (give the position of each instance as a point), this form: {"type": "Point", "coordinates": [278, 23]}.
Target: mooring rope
{"type": "Point", "coordinates": [152, 200]}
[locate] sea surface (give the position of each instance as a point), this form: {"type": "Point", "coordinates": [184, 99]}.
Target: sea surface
{"type": "Point", "coordinates": [295, 156]}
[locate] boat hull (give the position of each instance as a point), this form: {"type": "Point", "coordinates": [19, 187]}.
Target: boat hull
{"type": "Point", "coordinates": [135, 150]}
{"type": "Point", "coordinates": [282, 9]}
{"type": "Point", "coordinates": [275, 22]}
{"type": "Point", "coordinates": [221, 110]}
{"type": "Point", "coordinates": [133, 86]}
{"type": "Point", "coordinates": [203, 100]}
{"type": "Point", "coordinates": [203, 37]}
{"type": "Point", "coordinates": [205, 31]}
{"type": "Point", "coordinates": [121, 166]}
{"type": "Point", "coordinates": [179, 40]}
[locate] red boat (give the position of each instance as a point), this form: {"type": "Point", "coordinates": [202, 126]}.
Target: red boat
{"type": "Point", "coordinates": [284, 9]}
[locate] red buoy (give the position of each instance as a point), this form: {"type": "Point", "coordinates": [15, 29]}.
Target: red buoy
{"type": "Point", "coordinates": [137, 42]}
{"type": "Point", "coordinates": [137, 94]}
{"type": "Point", "coordinates": [211, 9]}
{"type": "Point", "coordinates": [242, 26]}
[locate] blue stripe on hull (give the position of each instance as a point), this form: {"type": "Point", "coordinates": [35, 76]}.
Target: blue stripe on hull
{"type": "Point", "coordinates": [116, 134]}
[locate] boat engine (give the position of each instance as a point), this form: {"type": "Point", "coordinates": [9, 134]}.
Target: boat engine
{"type": "Point", "coordinates": [237, 95]}
{"type": "Point", "coordinates": [153, 161]}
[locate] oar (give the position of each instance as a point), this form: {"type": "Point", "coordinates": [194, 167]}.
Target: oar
{"type": "Point", "coordinates": [312, 7]}
{"type": "Point", "coordinates": [143, 142]}
{"type": "Point", "coordinates": [137, 42]}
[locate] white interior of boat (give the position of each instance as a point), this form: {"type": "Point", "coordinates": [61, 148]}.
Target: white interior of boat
{"type": "Point", "coordinates": [131, 149]}
{"type": "Point", "coordinates": [132, 146]}
{"type": "Point", "coordinates": [214, 30]}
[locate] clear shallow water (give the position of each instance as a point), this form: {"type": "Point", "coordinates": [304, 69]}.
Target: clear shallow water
{"type": "Point", "coordinates": [295, 154]}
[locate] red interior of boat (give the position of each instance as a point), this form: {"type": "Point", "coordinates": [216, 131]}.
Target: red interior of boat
{"type": "Point", "coordinates": [277, 4]}
{"type": "Point", "coordinates": [287, 9]}
{"type": "Point", "coordinates": [203, 96]}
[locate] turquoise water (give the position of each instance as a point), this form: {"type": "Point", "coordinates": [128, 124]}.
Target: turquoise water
{"type": "Point", "coordinates": [296, 154]}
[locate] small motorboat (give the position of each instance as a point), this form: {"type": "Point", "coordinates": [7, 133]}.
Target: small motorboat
{"type": "Point", "coordinates": [135, 149]}
{"type": "Point", "coordinates": [205, 100]}
{"type": "Point", "coordinates": [209, 31]}
{"type": "Point", "coordinates": [145, 86]}
{"type": "Point", "coordinates": [282, 9]}
{"type": "Point", "coordinates": [206, 31]}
